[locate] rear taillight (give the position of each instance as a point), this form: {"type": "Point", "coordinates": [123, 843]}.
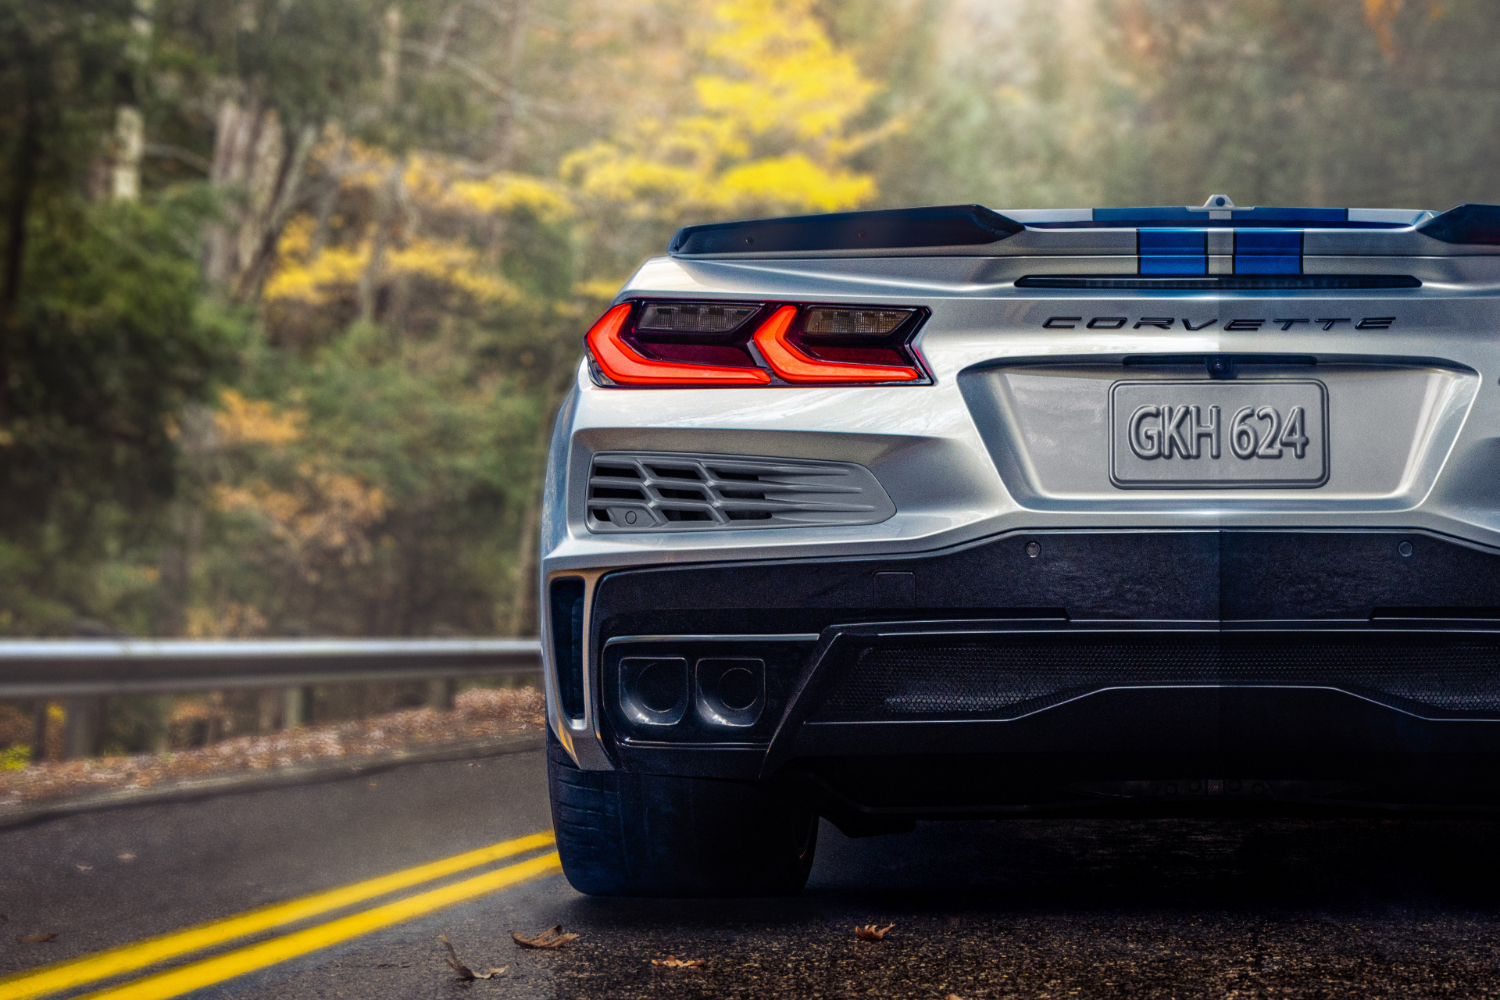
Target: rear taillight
{"type": "Point", "coordinates": [625, 364]}
{"type": "Point", "coordinates": [670, 343]}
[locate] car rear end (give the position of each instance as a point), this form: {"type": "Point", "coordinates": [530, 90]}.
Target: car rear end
{"type": "Point", "coordinates": [949, 512]}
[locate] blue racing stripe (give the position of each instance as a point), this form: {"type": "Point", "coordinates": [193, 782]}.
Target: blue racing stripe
{"type": "Point", "coordinates": [1268, 251]}
{"type": "Point", "coordinates": [1172, 251]}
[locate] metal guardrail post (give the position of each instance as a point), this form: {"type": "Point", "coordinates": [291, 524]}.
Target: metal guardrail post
{"type": "Point", "coordinates": [83, 729]}
{"type": "Point", "coordinates": [295, 704]}
{"type": "Point", "coordinates": [441, 693]}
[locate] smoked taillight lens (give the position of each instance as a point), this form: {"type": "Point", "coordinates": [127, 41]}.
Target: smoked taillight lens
{"type": "Point", "coordinates": [672, 343]}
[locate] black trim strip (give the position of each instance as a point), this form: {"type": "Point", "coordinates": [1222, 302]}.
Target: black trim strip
{"type": "Point", "coordinates": [894, 229]}
{"type": "Point", "coordinates": [1222, 282]}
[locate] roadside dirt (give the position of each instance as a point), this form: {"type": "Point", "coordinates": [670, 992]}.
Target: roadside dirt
{"type": "Point", "coordinates": [478, 713]}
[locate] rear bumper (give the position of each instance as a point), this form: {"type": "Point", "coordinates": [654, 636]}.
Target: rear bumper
{"type": "Point", "coordinates": [1069, 670]}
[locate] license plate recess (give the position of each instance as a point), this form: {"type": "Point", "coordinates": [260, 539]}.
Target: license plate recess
{"type": "Point", "coordinates": [1210, 434]}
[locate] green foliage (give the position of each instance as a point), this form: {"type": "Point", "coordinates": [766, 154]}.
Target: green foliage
{"type": "Point", "coordinates": [111, 338]}
{"type": "Point", "coordinates": [311, 59]}
{"type": "Point", "coordinates": [136, 724]}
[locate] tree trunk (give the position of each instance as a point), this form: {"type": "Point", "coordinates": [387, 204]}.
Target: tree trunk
{"type": "Point", "coordinates": [129, 148]}
{"type": "Point", "coordinates": [328, 197]}
{"type": "Point", "coordinates": [505, 138]}
{"type": "Point", "coordinates": [39, 733]}
{"type": "Point", "coordinates": [23, 187]}
{"type": "Point", "coordinates": [252, 161]}
{"type": "Point", "coordinates": [369, 279]}
{"type": "Point", "coordinates": [289, 192]}
{"type": "Point", "coordinates": [390, 57]}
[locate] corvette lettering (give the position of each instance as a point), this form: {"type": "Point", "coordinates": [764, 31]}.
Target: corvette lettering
{"type": "Point", "coordinates": [1236, 325]}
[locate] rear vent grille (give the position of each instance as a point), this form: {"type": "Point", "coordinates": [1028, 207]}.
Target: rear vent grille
{"type": "Point", "coordinates": [672, 491]}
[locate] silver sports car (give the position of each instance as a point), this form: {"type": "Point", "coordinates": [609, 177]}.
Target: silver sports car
{"type": "Point", "coordinates": [950, 512]}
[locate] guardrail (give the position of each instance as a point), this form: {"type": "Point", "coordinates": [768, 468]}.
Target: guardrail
{"type": "Point", "coordinates": [84, 674]}
{"type": "Point", "coordinates": [65, 668]}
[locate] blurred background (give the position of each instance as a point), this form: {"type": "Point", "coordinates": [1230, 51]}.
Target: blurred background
{"type": "Point", "coordinates": [290, 289]}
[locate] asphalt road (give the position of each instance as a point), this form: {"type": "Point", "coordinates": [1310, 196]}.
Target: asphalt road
{"type": "Point", "coordinates": [1024, 908]}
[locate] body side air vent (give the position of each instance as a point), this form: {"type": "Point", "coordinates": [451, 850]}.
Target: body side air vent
{"type": "Point", "coordinates": [677, 491]}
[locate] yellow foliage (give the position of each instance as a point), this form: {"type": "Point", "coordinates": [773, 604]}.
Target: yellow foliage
{"type": "Point", "coordinates": [797, 179]}
{"type": "Point", "coordinates": [442, 185]}
{"type": "Point", "coordinates": [451, 263]}
{"type": "Point", "coordinates": [323, 515]}
{"type": "Point", "coordinates": [334, 271]}
{"type": "Point", "coordinates": [772, 130]}
{"type": "Point", "coordinates": [788, 72]}
{"type": "Point", "coordinates": [225, 620]}
{"type": "Point", "coordinates": [597, 289]}
{"type": "Point", "coordinates": [255, 421]}
{"type": "Point", "coordinates": [436, 187]}
{"type": "Point", "coordinates": [362, 165]}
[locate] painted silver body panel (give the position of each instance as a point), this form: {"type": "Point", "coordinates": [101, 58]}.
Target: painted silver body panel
{"type": "Point", "coordinates": [1013, 434]}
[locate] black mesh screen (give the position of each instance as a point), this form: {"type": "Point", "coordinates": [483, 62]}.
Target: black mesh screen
{"type": "Point", "coordinates": [1006, 680]}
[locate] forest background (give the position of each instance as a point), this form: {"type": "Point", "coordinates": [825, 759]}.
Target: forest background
{"type": "Point", "coordinates": [291, 289]}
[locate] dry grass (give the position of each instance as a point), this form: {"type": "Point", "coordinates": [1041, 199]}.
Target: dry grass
{"type": "Point", "coordinates": [478, 713]}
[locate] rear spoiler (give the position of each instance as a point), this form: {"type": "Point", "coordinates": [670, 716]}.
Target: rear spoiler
{"type": "Point", "coordinates": [893, 229]}
{"type": "Point", "coordinates": [1476, 225]}
{"type": "Point", "coordinates": [975, 225]}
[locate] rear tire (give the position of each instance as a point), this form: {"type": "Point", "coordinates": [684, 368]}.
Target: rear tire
{"type": "Point", "coordinates": [625, 834]}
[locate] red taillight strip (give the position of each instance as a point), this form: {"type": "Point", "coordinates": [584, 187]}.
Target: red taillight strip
{"type": "Point", "coordinates": [623, 364]}
{"type": "Point", "coordinates": [794, 366]}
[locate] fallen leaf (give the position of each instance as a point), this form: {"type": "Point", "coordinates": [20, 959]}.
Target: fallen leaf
{"type": "Point", "coordinates": [673, 962]}
{"type": "Point", "coordinates": [463, 972]}
{"type": "Point", "coordinates": [872, 933]}
{"type": "Point", "coordinates": [36, 938]}
{"type": "Point", "coordinates": [555, 938]}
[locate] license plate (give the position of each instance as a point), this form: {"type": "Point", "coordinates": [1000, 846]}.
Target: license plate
{"type": "Point", "coordinates": [1230, 434]}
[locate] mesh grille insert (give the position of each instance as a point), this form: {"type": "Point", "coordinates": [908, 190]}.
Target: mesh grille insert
{"type": "Point", "coordinates": [1009, 680]}
{"type": "Point", "coordinates": [673, 491]}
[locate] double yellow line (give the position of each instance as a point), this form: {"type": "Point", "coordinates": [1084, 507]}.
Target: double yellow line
{"type": "Point", "coordinates": [103, 965]}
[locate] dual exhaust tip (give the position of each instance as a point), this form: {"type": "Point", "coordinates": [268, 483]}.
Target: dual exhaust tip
{"type": "Point", "coordinates": [724, 692]}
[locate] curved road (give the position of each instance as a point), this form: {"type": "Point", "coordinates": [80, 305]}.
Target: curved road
{"type": "Point", "coordinates": [1057, 908]}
